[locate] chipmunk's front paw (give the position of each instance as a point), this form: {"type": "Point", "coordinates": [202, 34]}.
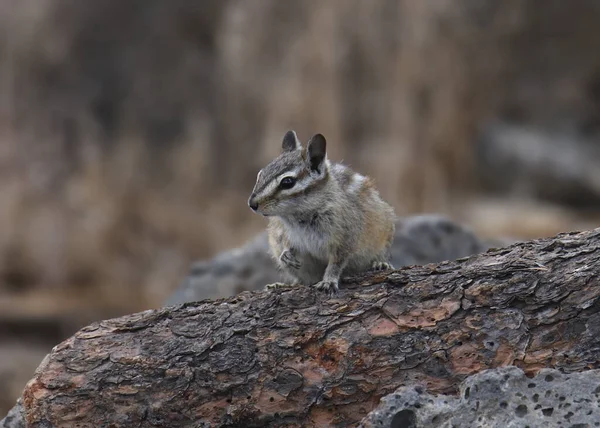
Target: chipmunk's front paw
{"type": "Point", "coordinates": [289, 259]}
{"type": "Point", "coordinates": [330, 287]}
{"type": "Point", "coordinates": [377, 266]}
{"type": "Point", "coordinates": [278, 286]}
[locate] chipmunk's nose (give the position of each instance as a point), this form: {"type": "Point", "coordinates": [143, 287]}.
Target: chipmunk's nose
{"type": "Point", "coordinates": [252, 203]}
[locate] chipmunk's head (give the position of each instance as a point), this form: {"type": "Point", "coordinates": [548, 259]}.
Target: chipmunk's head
{"type": "Point", "coordinates": [293, 181]}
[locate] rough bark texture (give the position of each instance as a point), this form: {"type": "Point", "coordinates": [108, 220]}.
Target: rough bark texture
{"type": "Point", "coordinates": [299, 358]}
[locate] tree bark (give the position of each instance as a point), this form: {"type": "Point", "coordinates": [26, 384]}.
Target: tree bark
{"type": "Point", "coordinates": [299, 358]}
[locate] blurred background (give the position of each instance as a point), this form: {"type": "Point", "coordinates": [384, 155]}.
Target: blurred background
{"type": "Point", "coordinates": [131, 132]}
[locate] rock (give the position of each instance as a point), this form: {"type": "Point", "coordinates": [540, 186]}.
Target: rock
{"type": "Point", "coordinates": [502, 397]}
{"type": "Point", "coordinates": [552, 166]}
{"type": "Point", "coordinates": [434, 238]}
{"type": "Point", "coordinates": [15, 418]}
{"type": "Point", "coordinates": [418, 240]}
{"type": "Point", "coordinates": [231, 272]}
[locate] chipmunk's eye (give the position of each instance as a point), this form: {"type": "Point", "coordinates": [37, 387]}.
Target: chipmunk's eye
{"type": "Point", "coordinates": [287, 183]}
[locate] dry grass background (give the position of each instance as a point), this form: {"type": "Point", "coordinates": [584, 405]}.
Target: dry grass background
{"type": "Point", "coordinates": [131, 130]}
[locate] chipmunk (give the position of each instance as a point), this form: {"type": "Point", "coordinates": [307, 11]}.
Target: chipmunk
{"type": "Point", "coordinates": [325, 220]}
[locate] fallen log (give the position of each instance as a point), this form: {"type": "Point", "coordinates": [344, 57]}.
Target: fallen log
{"type": "Point", "coordinates": [299, 358]}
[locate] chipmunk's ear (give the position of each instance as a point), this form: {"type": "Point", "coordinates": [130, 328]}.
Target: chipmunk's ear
{"type": "Point", "coordinates": [290, 142]}
{"type": "Point", "coordinates": [316, 151]}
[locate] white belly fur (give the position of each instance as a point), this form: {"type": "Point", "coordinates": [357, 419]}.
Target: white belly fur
{"type": "Point", "coordinates": [308, 240]}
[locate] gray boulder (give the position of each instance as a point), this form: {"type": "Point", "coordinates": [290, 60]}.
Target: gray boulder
{"type": "Point", "coordinates": [418, 240]}
{"type": "Point", "coordinates": [556, 166]}
{"type": "Point", "coordinates": [229, 273]}
{"type": "Point", "coordinates": [502, 397]}
{"type": "Point", "coordinates": [15, 418]}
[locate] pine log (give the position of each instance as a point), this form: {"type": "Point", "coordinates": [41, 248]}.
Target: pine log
{"type": "Point", "coordinates": [300, 358]}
